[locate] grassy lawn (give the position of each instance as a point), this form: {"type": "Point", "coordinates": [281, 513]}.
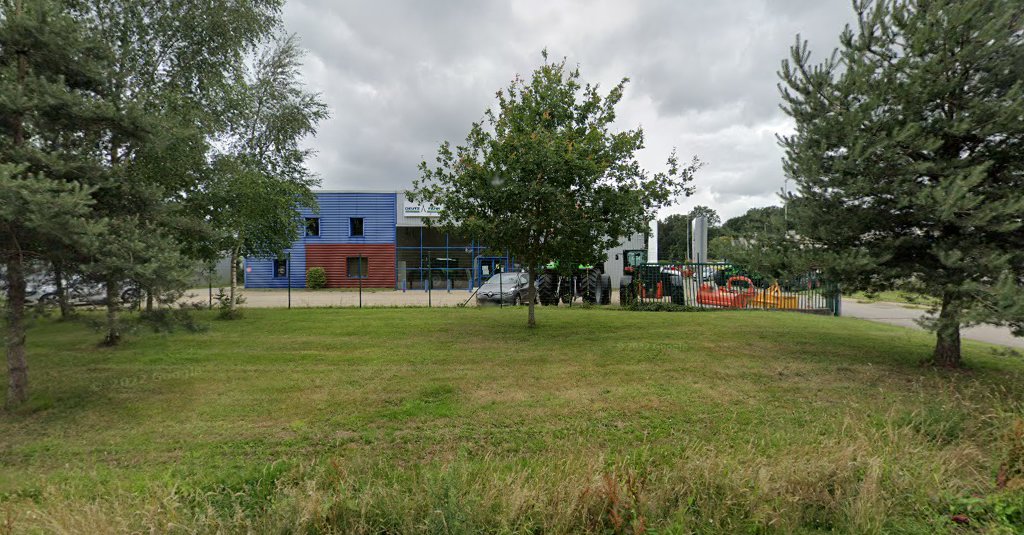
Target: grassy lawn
{"type": "Point", "coordinates": [462, 420]}
{"type": "Point", "coordinates": [893, 296]}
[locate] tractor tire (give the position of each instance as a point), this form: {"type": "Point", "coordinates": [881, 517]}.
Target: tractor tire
{"type": "Point", "coordinates": [606, 289]}
{"type": "Point", "coordinates": [590, 280]}
{"type": "Point", "coordinates": [565, 290]}
{"type": "Point", "coordinates": [547, 289]}
{"type": "Point", "coordinates": [676, 290]}
{"type": "Point", "coordinates": [626, 297]}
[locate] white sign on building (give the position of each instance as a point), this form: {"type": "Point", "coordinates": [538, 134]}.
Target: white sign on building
{"type": "Point", "coordinates": [411, 209]}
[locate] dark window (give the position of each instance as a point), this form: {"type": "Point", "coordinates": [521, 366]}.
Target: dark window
{"type": "Point", "coordinates": [357, 266]}
{"type": "Point", "coordinates": [312, 226]}
{"type": "Point", "coordinates": [356, 226]}
{"type": "Point", "coordinates": [280, 268]}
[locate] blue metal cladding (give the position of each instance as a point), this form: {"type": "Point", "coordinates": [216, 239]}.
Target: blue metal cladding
{"type": "Point", "coordinates": [378, 211]}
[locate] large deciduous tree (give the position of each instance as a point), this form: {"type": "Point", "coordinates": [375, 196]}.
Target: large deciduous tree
{"type": "Point", "coordinates": [173, 66]}
{"type": "Point", "coordinates": [546, 177]}
{"type": "Point", "coordinates": [261, 179]}
{"type": "Point", "coordinates": [907, 156]}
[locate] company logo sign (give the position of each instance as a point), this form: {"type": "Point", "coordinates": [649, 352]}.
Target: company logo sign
{"type": "Point", "coordinates": [411, 209]}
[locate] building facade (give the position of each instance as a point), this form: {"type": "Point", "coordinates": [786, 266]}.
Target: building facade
{"type": "Point", "coordinates": [351, 236]}
{"type": "Point", "coordinates": [381, 240]}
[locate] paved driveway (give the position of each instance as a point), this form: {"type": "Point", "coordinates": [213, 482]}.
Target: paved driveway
{"type": "Point", "coordinates": [897, 314]}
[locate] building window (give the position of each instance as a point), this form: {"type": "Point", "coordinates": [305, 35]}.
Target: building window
{"type": "Point", "coordinates": [312, 226]}
{"type": "Point", "coordinates": [356, 226]}
{"type": "Point", "coordinates": [280, 268]}
{"type": "Point", "coordinates": [358, 267]}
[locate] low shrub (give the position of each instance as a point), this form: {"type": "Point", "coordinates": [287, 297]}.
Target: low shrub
{"type": "Point", "coordinates": [316, 278]}
{"type": "Point", "coordinates": [663, 306]}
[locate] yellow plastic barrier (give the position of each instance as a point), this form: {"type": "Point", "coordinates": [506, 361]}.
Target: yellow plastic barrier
{"type": "Point", "coordinates": [774, 298]}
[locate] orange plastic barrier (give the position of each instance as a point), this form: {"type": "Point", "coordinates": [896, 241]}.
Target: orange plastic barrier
{"type": "Point", "coordinates": [727, 297]}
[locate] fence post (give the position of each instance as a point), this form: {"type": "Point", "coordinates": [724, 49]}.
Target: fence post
{"type": "Point", "coordinates": [360, 280]}
{"type": "Point", "coordinates": [288, 270]}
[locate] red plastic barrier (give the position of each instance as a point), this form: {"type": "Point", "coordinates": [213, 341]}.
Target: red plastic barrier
{"type": "Point", "coordinates": [727, 297]}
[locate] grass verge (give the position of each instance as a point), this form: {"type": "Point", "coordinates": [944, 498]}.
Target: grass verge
{"type": "Point", "coordinates": [462, 420]}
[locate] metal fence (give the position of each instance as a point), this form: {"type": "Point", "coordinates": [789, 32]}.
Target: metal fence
{"type": "Point", "coordinates": [724, 285]}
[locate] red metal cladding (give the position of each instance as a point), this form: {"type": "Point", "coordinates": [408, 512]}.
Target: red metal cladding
{"type": "Point", "coordinates": [379, 258]}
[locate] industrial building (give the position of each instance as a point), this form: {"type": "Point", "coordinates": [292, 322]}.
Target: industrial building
{"type": "Point", "coordinates": [381, 240]}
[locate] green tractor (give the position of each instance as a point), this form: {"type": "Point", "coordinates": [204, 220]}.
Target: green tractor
{"type": "Point", "coordinates": [648, 281]}
{"type": "Point", "coordinates": [586, 282]}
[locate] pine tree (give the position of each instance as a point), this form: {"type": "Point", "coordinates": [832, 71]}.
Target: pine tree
{"type": "Point", "coordinates": [51, 112]}
{"type": "Point", "coordinates": [907, 156]}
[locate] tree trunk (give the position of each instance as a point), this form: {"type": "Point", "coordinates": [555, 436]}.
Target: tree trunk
{"type": "Point", "coordinates": [17, 364]}
{"type": "Point", "coordinates": [947, 333]}
{"type": "Point", "coordinates": [113, 304]}
{"type": "Point", "coordinates": [149, 300]}
{"type": "Point", "coordinates": [62, 291]}
{"type": "Point", "coordinates": [531, 293]}
{"type": "Point", "coordinates": [234, 279]}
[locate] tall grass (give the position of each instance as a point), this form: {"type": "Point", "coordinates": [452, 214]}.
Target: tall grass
{"type": "Point", "coordinates": [861, 481]}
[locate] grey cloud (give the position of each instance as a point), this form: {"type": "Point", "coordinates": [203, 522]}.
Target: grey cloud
{"type": "Point", "coordinates": [401, 77]}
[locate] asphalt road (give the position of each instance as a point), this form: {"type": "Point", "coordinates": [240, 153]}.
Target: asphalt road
{"type": "Point", "coordinates": [897, 314]}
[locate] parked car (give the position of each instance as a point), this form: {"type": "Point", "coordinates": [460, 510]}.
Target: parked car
{"type": "Point", "coordinates": [507, 288]}
{"type": "Point", "coordinates": [41, 289]}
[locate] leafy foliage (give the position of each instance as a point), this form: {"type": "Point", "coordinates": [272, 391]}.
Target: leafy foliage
{"type": "Point", "coordinates": [907, 156]}
{"type": "Point", "coordinates": [260, 180]}
{"type": "Point", "coordinates": [545, 177]}
{"type": "Point", "coordinates": [674, 236]}
{"type": "Point", "coordinates": [316, 278]}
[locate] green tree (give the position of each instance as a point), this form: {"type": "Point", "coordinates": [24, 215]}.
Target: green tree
{"type": "Point", "coordinates": [755, 220]}
{"type": "Point", "coordinates": [907, 156]}
{"type": "Point", "coordinates": [51, 89]}
{"type": "Point", "coordinates": [708, 213]}
{"type": "Point", "coordinates": [546, 178]}
{"type": "Point", "coordinates": [173, 66]}
{"type": "Point", "coordinates": [763, 240]}
{"type": "Point", "coordinates": [261, 180]}
{"type": "Point", "coordinates": [674, 237]}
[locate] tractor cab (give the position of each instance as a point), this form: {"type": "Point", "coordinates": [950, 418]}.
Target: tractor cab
{"type": "Point", "coordinates": [633, 259]}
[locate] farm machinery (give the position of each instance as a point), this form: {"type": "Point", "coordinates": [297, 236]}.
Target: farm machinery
{"type": "Point", "coordinates": [584, 281]}
{"type": "Point", "coordinates": [644, 281]}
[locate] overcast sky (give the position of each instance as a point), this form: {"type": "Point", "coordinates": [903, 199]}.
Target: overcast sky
{"type": "Point", "coordinates": [401, 77]}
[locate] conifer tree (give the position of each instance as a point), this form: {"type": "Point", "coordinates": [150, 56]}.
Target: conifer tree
{"type": "Point", "coordinates": [908, 157]}
{"type": "Point", "coordinates": [51, 89]}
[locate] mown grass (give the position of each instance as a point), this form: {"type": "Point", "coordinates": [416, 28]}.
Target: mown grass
{"type": "Point", "coordinates": [463, 420]}
{"type": "Point", "coordinates": [895, 296]}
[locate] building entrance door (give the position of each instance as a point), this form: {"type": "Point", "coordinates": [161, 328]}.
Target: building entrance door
{"type": "Point", "coordinates": [487, 266]}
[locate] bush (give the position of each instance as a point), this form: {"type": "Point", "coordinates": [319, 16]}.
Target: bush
{"type": "Point", "coordinates": [663, 306]}
{"type": "Point", "coordinates": [224, 305]}
{"type": "Point", "coordinates": [316, 278]}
